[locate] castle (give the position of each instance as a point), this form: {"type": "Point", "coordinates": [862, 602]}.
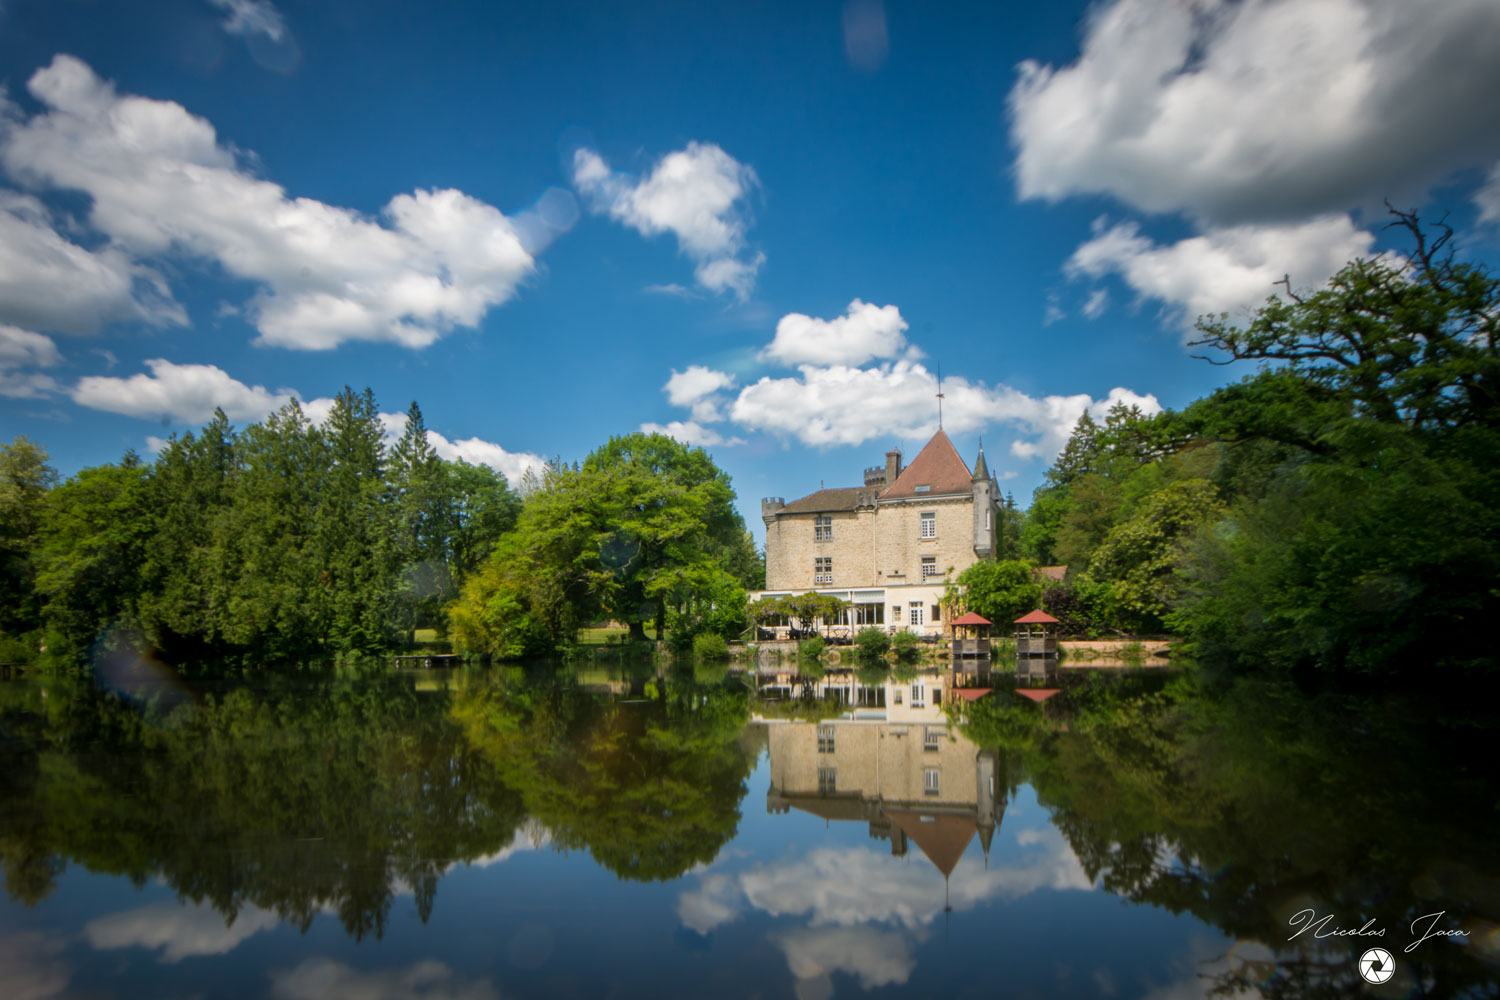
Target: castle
{"type": "Point", "coordinates": [887, 546]}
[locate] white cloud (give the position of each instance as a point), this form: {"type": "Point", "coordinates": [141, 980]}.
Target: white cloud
{"type": "Point", "coordinates": [863, 333]}
{"type": "Point", "coordinates": [875, 958]}
{"type": "Point", "coordinates": [476, 451]}
{"type": "Point", "coordinates": [1233, 269]}
{"type": "Point", "coordinates": [698, 194]}
{"type": "Point", "coordinates": [1096, 304]}
{"type": "Point", "coordinates": [850, 886]}
{"type": "Point", "coordinates": [685, 388]}
{"type": "Point", "coordinates": [48, 282]}
{"type": "Point", "coordinates": [317, 978]}
{"type": "Point", "coordinates": [162, 183]}
{"type": "Point", "coordinates": [690, 433]}
{"type": "Point", "coordinates": [183, 394]}
{"type": "Point", "coordinates": [717, 900]}
{"type": "Point", "coordinates": [529, 836]}
{"type": "Point", "coordinates": [179, 931]}
{"type": "Point", "coordinates": [1488, 197]}
{"type": "Point", "coordinates": [188, 394]}
{"type": "Point", "coordinates": [841, 405]}
{"type": "Point", "coordinates": [29, 968]}
{"type": "Point", "coordinates": [1263, 109]}
{"type": "Point", "coordinates": [250, 17]}
{"type": "Point", "coordinates": [25, 349]}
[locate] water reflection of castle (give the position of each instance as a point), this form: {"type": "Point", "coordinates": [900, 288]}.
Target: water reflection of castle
{"type": "Point", "coordinates": [912, 782]}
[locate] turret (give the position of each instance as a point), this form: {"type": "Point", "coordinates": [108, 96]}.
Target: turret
{"type": "Point", "coordinates": [985, 511]}
{"type": "Point", "coordinates": [770, 507]}
{"type": "Point", "coordinates": [892, 466]}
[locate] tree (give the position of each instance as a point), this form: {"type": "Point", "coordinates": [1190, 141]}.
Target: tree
{"type": "Point", "coordinates": [802, 610]}
{"type": "Point", "coordinates": [1001, 591]}
{"type": "Point", "coordinates": [1409, 341]}
{"type": "Point", "coordinates": [1139, 557]}
{"type": "Point", "coordinates": [25, 478]}
{"type": "Point", "coordinates": [672, 516]}
{"type": "Point", "coordinates": [89, 550]}
{"type": "Point", "coordinates": [352, 535]}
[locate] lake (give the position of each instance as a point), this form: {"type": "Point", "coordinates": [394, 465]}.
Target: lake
{"type": "Point", "coordinates": [609, 830]}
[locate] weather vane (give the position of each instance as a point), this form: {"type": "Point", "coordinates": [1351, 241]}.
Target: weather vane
{"type": "Point", "coordinates": [940, 395]}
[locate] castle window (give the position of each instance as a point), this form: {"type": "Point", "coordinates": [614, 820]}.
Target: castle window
{"type": "Point", "coordinates": [929, 524]}
{"type": "Point", "coordinates": [986, 519]}
{"type": "Point", "coordinates": [823, 569]}
{"type": "Point", "coordinates": [825, 739]}
{"type": "Point", "coordinates": [930, 736]}
{"type": "Point", "coordinates": [929, 566]}
{"type": "Point", "coordinates": [827, 781]}
{"type": "Point", "coordinates": [822, 528]}
{"type": "Point", "coordinates": [917, 701]}
{"type": "Point", "coordinates": [915, 614]}
{"type": "Point", "coordinates": [930, 781]}
{"type": "Point", "coordinates": [937, 614]}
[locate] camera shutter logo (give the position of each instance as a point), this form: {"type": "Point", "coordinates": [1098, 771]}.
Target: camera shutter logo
{"type": "Point", "coordinates": [1377, 966]}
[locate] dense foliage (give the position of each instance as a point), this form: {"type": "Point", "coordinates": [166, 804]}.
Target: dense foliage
{"type": "Point", "coordinates": [286, 541]}
{"type": "Point", "coordinates": [644, 530]}
{"type": "Point", "coordinates": [1334, 510]}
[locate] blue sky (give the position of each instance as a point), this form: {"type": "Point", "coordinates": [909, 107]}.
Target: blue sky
{"type": "Point", "coordinates": [760, 226]}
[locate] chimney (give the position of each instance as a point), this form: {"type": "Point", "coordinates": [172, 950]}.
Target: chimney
{"type": "Point", "coordinates": [892, 467]}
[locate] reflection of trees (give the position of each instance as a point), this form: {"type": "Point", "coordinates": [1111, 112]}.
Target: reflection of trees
{"type": "Point", "coordinates": [649, 789]}
{"type": "Point", "coordinates": [1243, 806]}
{"type": "Point", "coordinates": [295, 799]}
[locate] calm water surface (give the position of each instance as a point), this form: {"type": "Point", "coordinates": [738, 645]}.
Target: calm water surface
{"type": "Point", "coordinates": [680, 832]}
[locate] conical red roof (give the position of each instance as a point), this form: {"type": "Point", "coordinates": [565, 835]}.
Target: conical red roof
{"type": "Point", "coordinates": [1038, 694]}
{"type": "Point", "coordinates": [970, 619]}
{"type": "Point", "coordinates": [1037, 617]}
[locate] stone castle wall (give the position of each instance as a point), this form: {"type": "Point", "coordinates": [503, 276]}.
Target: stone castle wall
{"type": "Point", "coordinates": [871, 547]}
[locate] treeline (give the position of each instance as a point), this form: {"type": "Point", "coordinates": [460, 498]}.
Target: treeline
{"type": "Point", "coordinates": [1335, 510]}
{"type": "Point", "coordinates": [291, 541]}
{"type": "Point", "coordinates": [285, 541]}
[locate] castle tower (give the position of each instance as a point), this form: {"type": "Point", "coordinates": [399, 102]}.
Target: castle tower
{"type": "Point", "coordinates": [985, 511]}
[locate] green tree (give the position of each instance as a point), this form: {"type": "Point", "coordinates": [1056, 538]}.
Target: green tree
{"type": "Point", "coordinates": [25, 478]}
{"type": "Point", "coordinates": [91, 543]}
{"type": "Point", "coordinates": [1140, 556]}
{"type": "Point", "coordinates": [672, 517]}
{"type": "Point", "coordinates": [1001, 591]}
{"type": "Point", "coordinates": [351, 528]}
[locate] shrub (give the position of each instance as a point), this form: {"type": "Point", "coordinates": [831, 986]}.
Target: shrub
{"type": "Point", "coordinates": [907, 644]}
{"type": "Point", "coordinates": [811, 648]}
{"type": "Point", "coordinates": [872, 643]}
{"type": "Point", "coordinates": [710, 646]}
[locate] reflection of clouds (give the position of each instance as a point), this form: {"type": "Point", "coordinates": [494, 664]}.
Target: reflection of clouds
{"type": "Point", "coordinates": [28, 970]}
{"type": "Point", "coordinates": [716, 901]}
{"type": "Point", "coordinates": [529, 836]}
{"type": "Point", "coordinates": [1205, 964]}
{"type": "Point", "coordinates": [875, 958]}
{"type": "Point", "coordinates": [861, 885]}
{"type": "Point", "coordinates": [320, 978]}
{"type": "Point", "coordinates": [181, 931]}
